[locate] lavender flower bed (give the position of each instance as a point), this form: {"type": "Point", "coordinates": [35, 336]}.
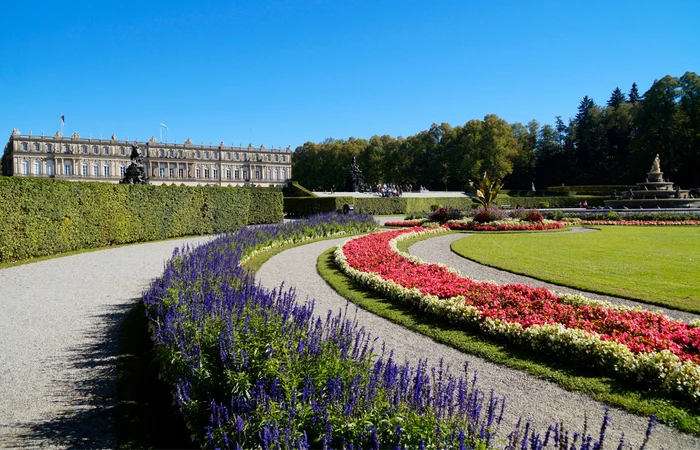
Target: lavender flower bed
{"type": "Point", "coordinates": [252, 368]}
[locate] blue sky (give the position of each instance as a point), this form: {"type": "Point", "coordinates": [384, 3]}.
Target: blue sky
{"type": "Point", "coordinates": [297, 71]}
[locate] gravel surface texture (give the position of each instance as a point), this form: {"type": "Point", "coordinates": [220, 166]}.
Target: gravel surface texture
{"type": "Point", "coordinates": [59, 331]}
{"type": "Point", "coordinates": [541, 402]}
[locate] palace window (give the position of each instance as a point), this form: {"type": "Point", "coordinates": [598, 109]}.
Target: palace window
{"type": "Point", "coordinates": [171, 171]}
{"type": "Point", "coordinates": [277, 158]}
{"type": "Point", "coordinates": [67, 148]}
{"type": "Point", "coordinates": [206, 172]}
{"type": "Point", "coordinates": [236, 174]}
{"type": "Point", "coordinates": [95, 150]}
{"type": "Point", "coordinates": [68, 168]}
{"type": "Point", "coordinates": [284, 158]}
{"type": "Point", "coordinates": [245, 157]}
{"type": "Point", "coordinates": [179, 154]}
{"type": "Point", "coordinates": [269, 173]}
{"type": "Point", "coordinates": [25, 167]}
{"type": "Point", "coordinates": [245, 174]}
{"type": "Point", "coordinates": [228, 172]}
{"type": "Point", "coordinates": [181, 172]}
{"type": "Point", "coordinates": [25, 146]}
{"type": "Point", "coordinates": [237, 156]}
{"type": "Point", "coordinates": [258, 175]}
{"type": "Point", "coordinates": [84, 149]}
{"type": "Point", "coordinates": [277, 174]}
{"type": "Point", "coordinates": [122, 170]}
{"type": "Point", "coordinates": [228, 155]}
{"type": "Point", "coordinates": [122, 151]}
{"type": "Point", "coordinates": [85, 170]}
{"type": "Point", "coordinates": [161, 153]}
{"type": "Point", "coordinates": [106, 171]}
{"type": "Point", "coordinates": [106, 150]}
{"type": "Point", "coordinates": [197, 172]}
{"type": "Point", "coordinates": [216, 173]}
{"type": "Point", "coordinates": [37, 167]}
{"type": "Point", "coordinates": [37, 147]}
{"type": "Point", "coordinates": [95, 170]}
{"type": "Point", "coordinates": [206, 155]}
{"type": "Point", "coordinates": [171, 153]}
{"type": "Point", "coordinates": [216, 155]}
{"type": "Point", "coordinates": [199, 154]}
{"type": "Point", "coordinates": [269, 157]}
{"type": "Point", "coordinates": [49, 148]}
{"type": "Point", "coordinates": [49, 168]}
{"type": "Point", "coordinates": [162, 171]}
{"type": "Point", "coordinates": [284, 174]}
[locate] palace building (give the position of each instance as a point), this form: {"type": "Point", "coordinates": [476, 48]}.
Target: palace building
{"type": "Point", "coordinates": [79, 159]}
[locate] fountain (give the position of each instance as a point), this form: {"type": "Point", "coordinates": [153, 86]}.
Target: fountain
{"type": "Point", "coordinates": [655, 192]}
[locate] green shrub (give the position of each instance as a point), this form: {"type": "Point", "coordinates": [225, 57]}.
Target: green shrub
{"type": "Point", "coordinates": [40, 217]}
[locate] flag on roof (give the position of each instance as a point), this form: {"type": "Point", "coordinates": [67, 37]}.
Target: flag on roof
{"type": "Point", "coordinates": [63, 120]}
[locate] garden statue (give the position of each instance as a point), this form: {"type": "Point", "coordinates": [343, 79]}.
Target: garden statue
{"type": "Point", "coordinates": [355, 179]}
{"type": "Point", "coordinates": [136, 172]}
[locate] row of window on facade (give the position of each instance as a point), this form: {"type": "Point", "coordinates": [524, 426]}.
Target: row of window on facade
{"type": "Point", "coordinates": [105, 171]}
{"type": "Point", "coordinates": [229, 174]}
{"type": "Point", "coordinates": [161, 153]}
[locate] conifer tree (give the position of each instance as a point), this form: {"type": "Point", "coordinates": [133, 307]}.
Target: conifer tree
{"type": "Point", "coordinates": [616, 99]}
{"type": "Point", "coordinates": [634, 94]}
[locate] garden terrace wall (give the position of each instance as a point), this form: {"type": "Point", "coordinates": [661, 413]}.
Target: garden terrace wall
{"type": "Point", "coordinates": [44, 217]}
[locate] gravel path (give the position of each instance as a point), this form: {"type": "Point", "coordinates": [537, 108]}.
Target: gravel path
{"type": "Point", "coordinates": [542, 402]}
{"type": "Point", "coordinates": [59, 330]}
{"type": "Point", "coordinates": [437, 249]}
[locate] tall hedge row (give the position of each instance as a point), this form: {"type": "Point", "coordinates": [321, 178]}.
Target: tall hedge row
{"type": "Point", "coordinates": [44, 217]}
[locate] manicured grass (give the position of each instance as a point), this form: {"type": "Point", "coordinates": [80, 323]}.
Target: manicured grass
{"type": "Point", "coordinates": [569, 375]}
{"type": "Point", "coordinates": [657, 265]}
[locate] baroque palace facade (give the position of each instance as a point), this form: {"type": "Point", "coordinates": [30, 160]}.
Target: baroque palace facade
{"type": "Point", "coordinates": [79, 159]}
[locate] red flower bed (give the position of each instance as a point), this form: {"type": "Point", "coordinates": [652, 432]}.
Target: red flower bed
{"type": "Point", "coordinates": [639, 331]}
{"type": "Point", "coordinates": [640, 222]}
{"type": "Point", "coordinates": [475, 226]}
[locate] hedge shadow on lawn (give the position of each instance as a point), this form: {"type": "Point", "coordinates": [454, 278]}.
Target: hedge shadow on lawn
{"type": "Point", "coordinates": [570, 375]}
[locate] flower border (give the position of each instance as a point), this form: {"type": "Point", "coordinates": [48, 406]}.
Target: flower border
{"type": "Point", "coordinates": [662, 368]}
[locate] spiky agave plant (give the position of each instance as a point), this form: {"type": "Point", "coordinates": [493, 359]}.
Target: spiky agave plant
{"type": "Point", "coordinates": [487, 191]}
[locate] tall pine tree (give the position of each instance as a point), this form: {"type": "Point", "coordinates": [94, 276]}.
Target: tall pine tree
{"type": "Point", "coordinates": [617, 98]}
{"type": "Point", "coordinates": [634, 94]}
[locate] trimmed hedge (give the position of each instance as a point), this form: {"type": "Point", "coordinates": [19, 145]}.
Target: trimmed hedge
{"type": "Point", "coordinates": [602, 190]}
{"type": "Point", "coordinates": [266, 205]}
{"type": "Point", "coordinates": [40, 217]}
{"type": "Point", "coordinates": [549, 202]}
{"type": "Point", "coordinates": [294, 189]}
{"type": "Point", "coordinates": [305, 206]}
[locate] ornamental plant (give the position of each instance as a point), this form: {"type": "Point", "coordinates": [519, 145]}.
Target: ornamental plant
{"type": "Point", "coordinates": [641, 345]}
{"type": "Point", "coordinates": [252, 368]}
{"type": "Point", "coordinates": [486, 215]}
{"type": "Point", "coordinates": [445, 213]}
{"type": "Point", "coordinates": [486, 192]}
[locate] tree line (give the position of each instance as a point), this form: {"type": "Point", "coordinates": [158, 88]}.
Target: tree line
{"type": "Point", "coordinates": [613, 143]}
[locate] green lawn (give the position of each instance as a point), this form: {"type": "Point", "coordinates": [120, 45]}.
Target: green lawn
{"type": "Point", "coordinates": [571, 375]}
{"type": "Point", "coordinates": [658, 265]}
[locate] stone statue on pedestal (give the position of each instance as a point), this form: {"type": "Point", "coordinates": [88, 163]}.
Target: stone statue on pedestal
{"type": "Point", "coordinates": [136, 172]}
{"type": "Point", "coordinates": [355, 179]}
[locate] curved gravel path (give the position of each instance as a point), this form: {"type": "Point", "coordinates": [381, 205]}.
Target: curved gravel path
{"type": "Point", "coordinates": [59, 326]}
{"type": "Point", "coordinates": [542, 402]}
{"type": "Point", "coordinates": [437, 249]}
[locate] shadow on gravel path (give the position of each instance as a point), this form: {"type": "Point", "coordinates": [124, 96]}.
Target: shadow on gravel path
{"type": "Point", "coordinates": [88, 386]}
